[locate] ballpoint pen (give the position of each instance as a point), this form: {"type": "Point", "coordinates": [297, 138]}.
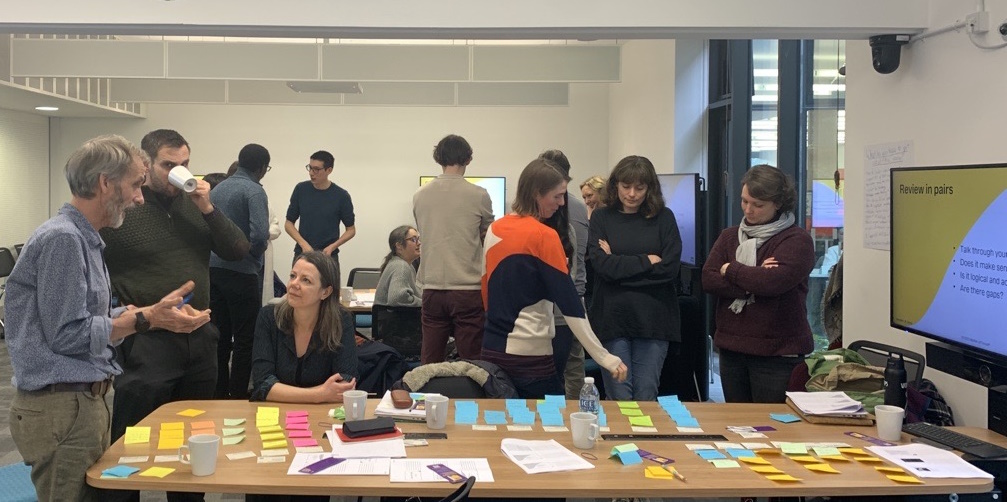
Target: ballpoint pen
{"type": "Point", "coordinates": [674, 472]}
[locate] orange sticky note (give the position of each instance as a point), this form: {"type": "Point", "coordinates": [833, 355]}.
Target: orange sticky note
{"type": "Point", "coordinates": [157, 472]}
{"type": "Point", "coordinates": [783, 478]}
{"type": "Point", "coordinates": [203, 431]}
{"type": "Point", "coordinates": [754, 460]}
{"type": "Point", "coordinates": [189, 413]}
{"type": "Point", "coordinates": [826, 468]}
{"type": "Point", "coordinates": [804, 459]}
{"type": "Point", "coordinates": [766, 469]}
{"type": "Point", "coordinates": [205, 424]}
{"type": "Point", "coordinates": [899, 478]}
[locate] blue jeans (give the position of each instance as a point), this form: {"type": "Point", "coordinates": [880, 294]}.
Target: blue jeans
{"type": "Point", "coordinates": [644, 357]}
{"type": "Point", "coordinates": [755, 379]}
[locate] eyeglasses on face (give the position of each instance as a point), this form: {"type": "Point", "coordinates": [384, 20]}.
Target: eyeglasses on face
{"type": "Point", "coordinates": [414, 239]}
{"type": "Point", "coordinates": [268, 168]}
{"type": "Point", "coordinates": [314, 169]}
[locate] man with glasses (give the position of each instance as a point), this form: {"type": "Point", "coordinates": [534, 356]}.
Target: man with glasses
{"type": "Point", "coordinates": [321, 205]}
{"type": "Point", "coordinates": [235, 298]}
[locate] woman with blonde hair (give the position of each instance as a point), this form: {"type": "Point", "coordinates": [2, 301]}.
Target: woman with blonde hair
{"type": "Point", "coordinates": [592, 191]}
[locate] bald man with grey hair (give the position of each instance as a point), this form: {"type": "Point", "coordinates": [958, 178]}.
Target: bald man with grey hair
{"type": "Point", "coordinates": [61, 328]}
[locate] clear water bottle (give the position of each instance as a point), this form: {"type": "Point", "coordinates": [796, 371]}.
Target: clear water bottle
{"type": "Point", "coordinates": [590, 399]}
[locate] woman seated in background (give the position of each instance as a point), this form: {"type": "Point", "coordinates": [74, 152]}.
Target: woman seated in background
{"type": "Point", "coordinates": [304, 350]}
{"type": "Point", "coordinates": [759, 273]}
{"type": "Point", "coordinates": [526, 273]}
{"type": "Point", "coordinates": [397, 285]}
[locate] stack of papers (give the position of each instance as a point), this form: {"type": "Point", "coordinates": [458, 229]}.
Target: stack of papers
{"type": "Point", "coordinates": [829, 404]}
{"type": "Point", "coordinates": [542, 456]}
{"type": "Point", "coordinates": [925, 461]}
{"type": "Point", "coordinates": [386, 409]}
{"type": "Point", "coordinates": [380, 448]}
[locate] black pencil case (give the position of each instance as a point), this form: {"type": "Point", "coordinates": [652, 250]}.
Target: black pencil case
{"type": "Point", "coordinates": [368, 427]}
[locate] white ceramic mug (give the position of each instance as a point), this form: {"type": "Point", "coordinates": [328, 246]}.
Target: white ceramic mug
{"type": "Point", "coordinates": [889, 421]}
{"type": "Point", "coordinates": [181, 178]}
{"type": "Point", "coordinates": [355, 404]}
{"type": "Point", "coordinates": [345, 296]}
{"type": "Point", "coordinates": [201, 452]}
{"type": "Point", "coordinates": [584, 427]}
{"type": "Point", "coordinates": [437, 411]}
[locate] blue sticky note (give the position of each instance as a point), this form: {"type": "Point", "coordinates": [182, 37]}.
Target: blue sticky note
{"type": "Point", "coordinates": [520, 404]}
{"type": "Point", "coordinates": [558, 400]}
{"type": "Point", "coordinates": [119, 471]}
{"type": "Point", "coordinates": [710, 454]}
{"type": "Point", "coordinates": [687, 422]}
{"type": "Point", "coordinates": [523, 417]}
{"type": "Point", "coordinates": [740, 452]}
{"type": "Point", "coordinates": [668, 399]}
{"type": "Point", "coordinates": [495, 417]}
{"type": "Point", "coordinates": [555, 419]}
{"type": "Point", "coordinates": [630, 457]}
{"type": "Point", "coordinates": [602, 420]}
{"type": "Point", "coordinates": [784, 417]}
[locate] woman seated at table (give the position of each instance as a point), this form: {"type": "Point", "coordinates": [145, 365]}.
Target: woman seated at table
{"type": "Point", "coordinates": [526, 273]}
{"type": "Point", "coordinates": [397, 285]}
{"type": "Point", "coordinates": [304, 349]}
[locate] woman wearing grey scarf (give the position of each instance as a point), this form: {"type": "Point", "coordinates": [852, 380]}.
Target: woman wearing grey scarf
{"type": "Point", "coordinates": [759, 271]}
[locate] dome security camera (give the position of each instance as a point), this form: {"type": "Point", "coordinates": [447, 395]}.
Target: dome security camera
{"type": "Point", "coordinates": [886, 52]}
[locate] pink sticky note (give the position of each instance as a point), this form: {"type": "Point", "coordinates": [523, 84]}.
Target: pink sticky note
{"type": "Point", "coordinates": [298, 413]}
{"type": "Point", "coordinates": [297, 420]}
{"type": "Point", "coordinates": [304, 442]}
{"type": "Point", "coordinates": [297, 427]}
{"type": "Point", "coordinates": [298, 434]}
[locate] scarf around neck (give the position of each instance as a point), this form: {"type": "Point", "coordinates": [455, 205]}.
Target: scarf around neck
{"type": "Point", "coordinates": [751, 238]}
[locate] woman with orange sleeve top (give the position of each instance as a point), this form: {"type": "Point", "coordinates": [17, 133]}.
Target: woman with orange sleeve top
{"type": "Point", "coordinates": [525, 274]}
{"type": "Point", "coordinates": [759, 273]}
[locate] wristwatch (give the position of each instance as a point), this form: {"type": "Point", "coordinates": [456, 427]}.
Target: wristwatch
{"type": "Point", "coordinates": [142, 324]}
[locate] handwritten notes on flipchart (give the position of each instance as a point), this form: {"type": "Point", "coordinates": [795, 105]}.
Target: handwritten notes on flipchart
{"type": "Point", "coordinates": [878, 161]}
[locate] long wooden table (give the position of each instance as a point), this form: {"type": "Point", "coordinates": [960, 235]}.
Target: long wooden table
{"type": "Point", "coordinates": [608, 479]}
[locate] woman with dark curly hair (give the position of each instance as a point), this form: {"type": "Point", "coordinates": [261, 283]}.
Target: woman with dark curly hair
{"type": "Point", "coordinates": [759, 273]}
{"type": "Point", "coordinates": [635, 249]}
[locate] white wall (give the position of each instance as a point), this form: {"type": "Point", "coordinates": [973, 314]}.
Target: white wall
{"type": "Point", "coordinates": [380, 151]}
{"type": "Point", "coordinates": [642, 106]}
{"type": "Point", "coordinates": [24, 175]}
{"type": "Point", "coordinates": [948, 98]}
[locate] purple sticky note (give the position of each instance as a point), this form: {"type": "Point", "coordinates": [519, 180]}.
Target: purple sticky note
{"type": "Point", "coordinates": [654, 458]}
{"type": "Point", "coordinates": [321, 465]}
{"type": "Point", "coordinates": [447, 473]}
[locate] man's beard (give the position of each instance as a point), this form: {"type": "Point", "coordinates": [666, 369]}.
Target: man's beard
{"type": "Point", "coordinates": [115, 209]}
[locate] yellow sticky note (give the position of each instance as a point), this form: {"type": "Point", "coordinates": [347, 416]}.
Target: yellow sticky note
{"type": "Point", "coordinates": [835, 458]}
{"type": "Point", "coordinates": [273, 436]}
{"type": "Point", "coordinates": [267, 422]}
{"type": "Point", "coordinates": [628, 404]}
{"type": "Point", "coordinates": [169, 443]}
{"type": "Point", "coordinates": [783, 478]}
{"type": "Point", "coordinates": [804, 459]}
{"type": "Point", "coordinates": [267, 411]}
{"type": "Point", "coordinates": [172, 426]}
{"type": "Point", "coordinates": [890, 470]}
{"type": "Point", "coordinates": [643, 421]}
{"type": "Point", "coordinates": [900, 478]}
{"type": "Point", "coordinates": [766, 469]}
{"type": "Point", "coordinates": [657, 472]}
{"type": "Point", "coordinates": [189, 413]}
{"type": "Point", "coordinates": [767, 451]}
{"type": "Point", "coordinates": [269, 445]}
{"type": "Point", "coordinates": [157, 472]}
{"type": "Point", "coordinates": [821, 468]}
{"type": "Point", "coordinates": [853, 451]}
{"type": "Point", "coordinates": [754, 460]}
{"type": "Point", "coordinates": [269, 428]}
{"type": "Point", "coordinates": [870, 460]}
{"type": "Point", "coordinates": [631, 412]}
{"type": "Point", "coordinates": [137, 435]}
{"type": "Point", "coordinates": [171, 434]}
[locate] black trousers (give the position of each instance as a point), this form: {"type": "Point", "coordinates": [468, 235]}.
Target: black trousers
{"type": "Point", "coordinates": [234, 306]}
{"type": "Point", "coordinates": [160, 367]}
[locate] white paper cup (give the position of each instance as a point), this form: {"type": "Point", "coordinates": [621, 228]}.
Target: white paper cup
{"type": "Point", "coordinates": [889, 421]}
{"type": "Point", "coordinates": [201, 453]}
{"type": "Point", "coordinates": [355, 404]}
{"type": "Point", "coordinates": [345, 296]}
{"type": "Point", "coordinates": [437, 411]}
{"type": "Point", "coordinates": [181, 178]}
{"type": "Point", "coordinates": [584, 427]}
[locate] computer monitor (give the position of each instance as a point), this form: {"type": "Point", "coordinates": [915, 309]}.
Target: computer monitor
{"type": "Point", "coordinates": [681, 195]}
{"type": "Point", "coordinates": [495, 185]}
{"type": "Point", "coordinates": [827, 209]}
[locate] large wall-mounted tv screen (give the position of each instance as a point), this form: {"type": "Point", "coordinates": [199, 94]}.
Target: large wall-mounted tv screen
{"type": "Point", "coordinates": [495, 185]}
{"type": "Point", "coordinates": [681, 194]}
{"type": "Point", "coordinates": [827, 204]}
{"type": "Point", "coordinates": [949, 254]}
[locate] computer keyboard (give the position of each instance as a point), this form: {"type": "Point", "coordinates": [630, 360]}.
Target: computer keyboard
{"type": "Point", "coordinates": [958, 441]}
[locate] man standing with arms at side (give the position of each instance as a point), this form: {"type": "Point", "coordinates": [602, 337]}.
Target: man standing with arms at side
{"type": "Point", "coordinates": [162, 243]}
{"type": "Point", "coordinates": [61, 327]}
{"type": "Point", "coordinates": [452, 215]}
{"type": "Point", "coordinates": [320, 205]}
{"type": "Point", "coordinates": [235, 296]}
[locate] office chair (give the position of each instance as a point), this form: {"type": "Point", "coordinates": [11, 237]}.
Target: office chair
{"type": "Point", "coordinates": [877, 354]}
{"type": "Point", "coordinates": [462, 493]}
{"type": "Point", "coordinates": [364, 278]}
{"type": "Point", "coordinates": [17, 249]}
{"type": "Point", "coordinates": [6, 267]}
{"type": "Point", "coordinates": [399, 328]}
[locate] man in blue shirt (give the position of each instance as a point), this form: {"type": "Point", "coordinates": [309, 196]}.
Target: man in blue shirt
{"type": "Point", "coordinates": [61, 327]}
{"type": "Point", "coordinates": [320, 205]}
{"type": "Point", "coordinates": [235, 298]}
